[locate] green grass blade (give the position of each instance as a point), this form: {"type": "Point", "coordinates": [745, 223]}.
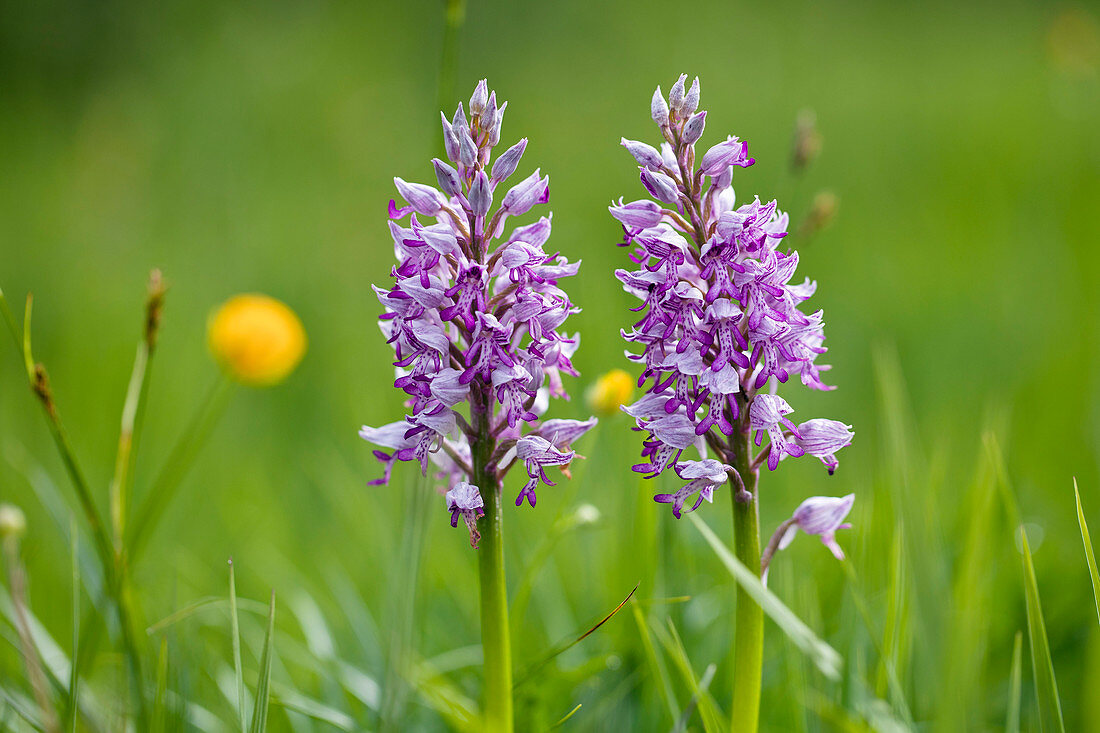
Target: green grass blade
{"type": "Point", "coordinates": [1046, 686]}
{"type": "Point", "coordinates": [136, 394]}
{"type": "Point", "coordinates": [161, 712]}
{"type": "Point", "coordinates": [74, 677]}
{"type": "Point", "coordinates": [22, 706]}
{"type": "Point", "coordinates": [202, 604]}
{"type": "Point", "coordinates": [827, 659]}
{"type": "Point", "coordinates": [184, 452]}
{"type": "Point", "coordinates": [697, 697]}
{"type": "Point", "coordinates": [711, 716]}
{"type": "Point", "coordinates": [1089, 554]}
{"type": "Point", "coordinates": [1012, 725]}
{"type": "Point", "coordinates": [291, 700]}
{"type": "Point", "coordinates": [235, 630]}
{"type": "Point", "coordinates": [656, 664]}
{"type": "Point", "coordinates": [568, 644]}
{"type": "Point", "coordinates": [568, 715]}
{"type": "Point", "coordinates": [263, 684]}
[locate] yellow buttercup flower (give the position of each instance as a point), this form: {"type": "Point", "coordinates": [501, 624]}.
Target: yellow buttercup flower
{"type": "Point", "coordinates": [610, 391]}
{"type": "Point", "coordinates": [257, 340]}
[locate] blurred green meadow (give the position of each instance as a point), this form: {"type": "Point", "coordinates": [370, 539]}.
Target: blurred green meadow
{"type": "Point", "coordinates": [251, 146]}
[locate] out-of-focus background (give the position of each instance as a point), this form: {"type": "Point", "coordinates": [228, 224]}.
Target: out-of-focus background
{"type": "Point", "coordinates": [251, 147]}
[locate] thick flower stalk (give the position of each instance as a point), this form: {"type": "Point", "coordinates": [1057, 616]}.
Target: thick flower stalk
{"type": "Point", "coordinates": [474, 316]}
{"type": "Point", "coordinates": [722, 326]}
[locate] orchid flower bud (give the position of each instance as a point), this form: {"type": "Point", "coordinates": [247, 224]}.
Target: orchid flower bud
{"type": "Point", "coordinates": [505, 165]}
{"type": "Point", "coordinates": [660, 186]}
{"type": "Point", "coordinates": [450, 141]}
{"type": "Point", "coordinates": [691, 100]}
{"type": "Point", "coordinates": [637, 214]}
{"type": "Point", "coordinates": [676, 96]}
{"type": "Point", "coordinates": [494, 134]}
{"type": "Point", "coordinates": [658, 108]}
{"type": "Point", "coordinates": [646, 155]}
{"type": "Point", "coordinates": [448, 178]}
{"type": "Point", "coordinates": [467, 149]}
{"type": "Point", "coordinates": [693, 130]}
{"type": "Point", "coordinates": [480, 196]}
{"type": "Point", "coordinates": [532, 190]}
{"type": "Point", "coordinates": [479, 98]}
{"type": "Point", "coordinates": [424, 200]}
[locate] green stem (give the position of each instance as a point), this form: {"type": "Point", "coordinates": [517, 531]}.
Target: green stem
{"type": "Point", "coordinates": [495, 642]}
{"type": "Point", "coordinates": [748, 641]}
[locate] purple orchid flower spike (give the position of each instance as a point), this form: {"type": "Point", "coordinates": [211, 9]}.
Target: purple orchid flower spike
{"type": "Point", "coordinates": [720, 327]}
{"type": "Point", "coordinates": [722, 324]}
{"type": "Point", "coordinates": [475, 318]}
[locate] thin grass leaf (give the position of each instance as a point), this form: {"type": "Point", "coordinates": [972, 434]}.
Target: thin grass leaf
{"type": "Point", "coordinates": [1012, 725]}
{"type": "Point", "coordinates": [827, 659]}
{"type": "Point", "coordinates": [290, 700]}
{"type": "Point", "coordinates": [711, 716]}
{"type": "Point", "coordinates": [441, 695]}
{"type": "Point", "coordinates": [569, 644]}
{"type": "Point", "coordinates": [202, 604]}
{"type": "Point", "coordinates": [49, 495]}
{"type": "Point", "coordinates": [72, 709]}
{"type": "Point", "coordinates": [263, 684]}
{"type": "Point", "coordinates": [164, 486]}
{"type": "Point", "coordinates": [568, 715]}
{"type": "Point", "coordinates": [57, 665]}
{"type": "Point", "coordinates": [22, 706]}
{"type": "Point", "coordinates": [656, 664]}
{"type": "Point", "coordinates": [160, 699]}
{"type": "Point", "coordinates": [1042, 666]}
{"type": "Point", "coordinates": [896, 603]}
{"type": "Point", "coordinates": [1008, 496]}
{"type": "Point", "coordinates": [402, 607]}
{"type": "Point", "coordinates": [1089, 554]}
{"type": "Point", "coordinates": [235, 631]}
{"type": "Point", "coordinates": [136, 392]}
{"type": "Point", "coordinates": [700, 694]}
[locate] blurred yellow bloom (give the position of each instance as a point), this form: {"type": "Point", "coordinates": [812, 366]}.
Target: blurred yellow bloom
{"type": "Point", "coordinates": [257, 340]}
{"type": "Point", "coordinates": [611, 390]}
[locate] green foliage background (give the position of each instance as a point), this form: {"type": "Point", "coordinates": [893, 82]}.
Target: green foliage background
{"type": "Point", "coordinates": [251, 146]}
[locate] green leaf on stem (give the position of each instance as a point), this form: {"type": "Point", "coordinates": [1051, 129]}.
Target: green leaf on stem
{"type": "Point", "coordinates": [827, 659]}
